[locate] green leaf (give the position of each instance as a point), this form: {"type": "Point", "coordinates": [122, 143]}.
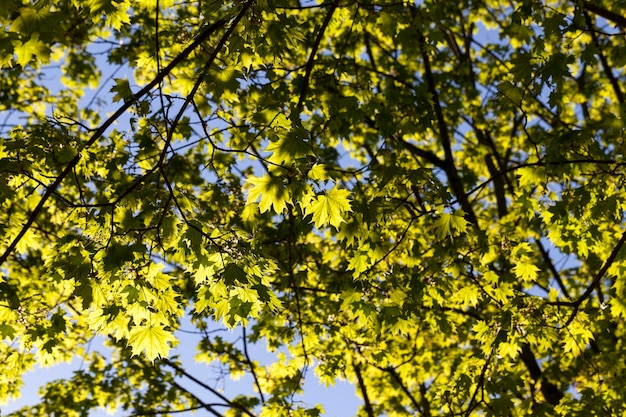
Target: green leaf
{"type": "Point", "coordinates": [329, 208]}
{"type": "Point", "coordinates": [117, 255]}
{"type": "Point", "coordinates": [33, 48]}
{"type": "Point", "coordinates": [525, 270]}
{"type": "Point", "coordinates": [511, 92]}
{"type": "Point", "coordinates": [291, 146]}
{"type": "Point", "coordinates": [271, 191]}
{"type": "Point", "coordinates": [7, 332]}
{"type": "Point", "coordinates": [121, 89]}
{"type": "Point", "coordinates": [293, 172]}
{"type": "Point", "coordinates": [451, 224]}
{"type": "Point", "coordinates": [84, 292]}
{"type": "Point", "coordinates": [522, 67]}
{"type": "Point", "coordinates": [233, 273]}
{"type": "Point", "coordinates": [153, 341]}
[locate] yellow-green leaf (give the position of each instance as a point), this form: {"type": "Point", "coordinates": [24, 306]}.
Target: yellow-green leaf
{"type": "Point", "coordinates": [531, 176]}
{"type": "Point", "coordinates": [468, 296]}
{"type": "Point", "coordinates": [525, 271]}
{"type": "Point", "coordinates": [329, 208]}
{"type": "Point", "coordinates": [271, 191]}
{"type": "Point", "coordinates": [509, 349]}
{"type": "Point", "coordinates": [318, 172]}
{"type": "Point", "coordinates": [32, 48]}
{"type": "Point", "coordinates": [451, 224]}
{"type": "Point", "coordinates": [359, 262]}
{"type": "Point", "coordinates": [153, 340]}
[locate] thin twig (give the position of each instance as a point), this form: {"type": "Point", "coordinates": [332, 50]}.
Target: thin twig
{"type": "Point", "coordinates": [251, 365]}
{"type": "Point", "coordinates": [208, 388]}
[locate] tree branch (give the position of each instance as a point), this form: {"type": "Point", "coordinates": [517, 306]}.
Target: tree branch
{"type": "Point", "coordinates": [555, 273]}
{"type": "Point", "coordinates": [450, 168]}
{"type": "Point", "coordinates": [551, 392]}
{"type": "Point", "coordinates": [615, 18]}
{"type": "Point", "coordinates": [481, 380]}
{"type": "Point", "coordinates": [251, 365]}
{"type": "Point", "coordinates": [605, 64]}
{"type": "Point", "coordinates": [425, 411]}
{"type": "Point", "coordinates": [366, 399]}
{"type": "Point", "coordinates": [596, 281]}
{"type": "Point", "coordinates": [184, 410]}
{"type": "Point", "coordinates": [314, 47]}
{"type": "Point", "coordinates": [208, 388]}
{"type": "Point", "coordinates": [195, 397]}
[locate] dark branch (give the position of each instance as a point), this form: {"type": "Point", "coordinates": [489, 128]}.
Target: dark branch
{"type": "Point", "coordinates": [251, 365]}
{"type": "Point", "coordinates": [612, 17]}
{"type": "Point", "coordinates": [551, 392]}
{"type": "Point", "coordinates": [195, 397]}
{"type": "Point", "coordinates": [168, 411]}
{"type": "Point", "coordinates": [208, 388]}
{"type": "Point", "coordinates": [425, 412]}
{"type": "Point", "coordinates": [366, 399]}
{"type": "Point", "coordinates": [452, 173]}
{"type": "Point", "coordinates": [314, 47]}
{"type": "Point", "coordinates": [596, 281]}
{"type": "Point", "coordinates": [605, 64]}
{"type": "Point", "coordinates": [555, 273]}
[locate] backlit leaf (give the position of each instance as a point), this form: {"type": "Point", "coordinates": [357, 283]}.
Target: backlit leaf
{"type": "Point", "coordinates": [271, 191]}
{"type": "Point", "coordinates": [450, 224]}
{"type": "Point", "coordinates": [525, 270]}
{"type": "Point", "coordinates": [153, 341]}
{"type": "Point", "coordinates": [330, 208]}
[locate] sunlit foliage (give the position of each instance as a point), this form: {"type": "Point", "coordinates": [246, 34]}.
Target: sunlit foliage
{"type": "Point", "coordinates": [423, 198]}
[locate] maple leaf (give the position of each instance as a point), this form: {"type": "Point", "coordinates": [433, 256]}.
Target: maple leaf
{"type": "Point", "coordinates": [329, 208]}
{"type": "Point", "coordinates": [451, 224]}
{"type": "Point", "coordinates": [531, 176]}
{"type": "Point", "coordinates": [509, 349]}
{"type": "Point", "coordinates": [271, 191]}
{"type": "Point", "coordinates": [121, 89]}
{"type": "Point", "coordinates": [153, 340]}
{"type": "Point", "coordinates": [33, 48]}
{"type": "Point", "coordinates": [203, 273]}
{"type": "Point", "coordinates": [360, 262]}
{"type": "Point", "coordinates": [292, 146]}
{"type": "Point", "coordinates": [525, 270]}
{"type": "Point", "coordinates": [122, 220]}
{"type": "Point", "coordinates": [318, 172]}
{"type": "Point", "coordinates": [469, 296]}
{"type": "Point", "coordinates": [503, 292]}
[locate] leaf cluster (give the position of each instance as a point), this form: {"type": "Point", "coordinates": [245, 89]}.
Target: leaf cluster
{"type": "Point", "coordinates": [425, 199]}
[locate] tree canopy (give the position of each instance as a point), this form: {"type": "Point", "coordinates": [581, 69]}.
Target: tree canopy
{"type": "Point", "coordinates": [424, 198]}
